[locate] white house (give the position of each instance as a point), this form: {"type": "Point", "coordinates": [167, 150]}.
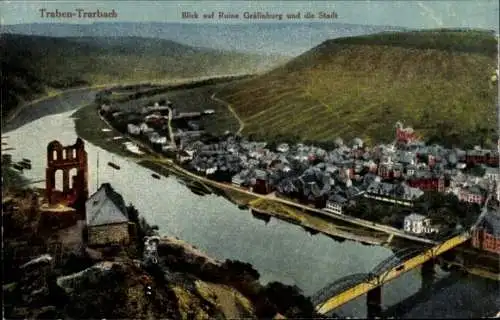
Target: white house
{"type": "Point", "coordinates": [211, 170]}
{"type": "Point", "coordinates": [105, 107]}
{"type": "Point", "coordinates": [491, 174]}
{"type": "Point", "coordinates": [145, 128]}
{"type": "Point", "coordinates": [159, 140]}
{"type": "Point", "coordinates": [167, 148]}
{"type": "Point", "coordinates": [283, 147]}
{"type": "Point", "coordinates": [133, 129]}
{"type": "Point", "coordinates": [416, 223]}
{"type": "Point", "coordinates": [335, 204]}
{"type": "Point", "coordinates": [334, 207]}
{"type": "Point", "coordinates": [183, 156]}
{"type": "Point", "coordinates": [237, 180]}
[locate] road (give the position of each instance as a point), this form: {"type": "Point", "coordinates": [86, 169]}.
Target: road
{"type": "Point", "coordinates": [241, 123]}
{"type": "Point", "coordinates": [353, 220]}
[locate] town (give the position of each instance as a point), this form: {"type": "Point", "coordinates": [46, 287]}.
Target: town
{"type": "Point", "coordinates": [425, 190]}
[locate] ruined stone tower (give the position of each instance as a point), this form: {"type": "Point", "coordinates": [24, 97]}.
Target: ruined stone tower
{"type": "Point", "coordinates": [67, 158]}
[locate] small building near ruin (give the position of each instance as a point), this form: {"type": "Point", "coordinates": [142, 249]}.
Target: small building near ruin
{"type": "Point", "coordinates": [106, 217]}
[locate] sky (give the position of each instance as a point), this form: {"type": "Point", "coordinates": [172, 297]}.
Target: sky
{"type": "Point", "coordinates": [482, 14]}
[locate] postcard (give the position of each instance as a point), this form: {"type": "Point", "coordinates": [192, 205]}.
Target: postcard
{"type": "Point", "coordinates": [250, 159]}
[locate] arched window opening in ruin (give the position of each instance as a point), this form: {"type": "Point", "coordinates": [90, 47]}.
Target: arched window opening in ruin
{"type": "Point", "coordinates": [74, 153]}
{"type": "Point", "coordinates": [54, 155]}
{"type": "Point", "coordinates": [64, 155]}
{"type": "Point", "coordinates": [72, 176]}
{"type": "Point", "coordinates": [58, 180]}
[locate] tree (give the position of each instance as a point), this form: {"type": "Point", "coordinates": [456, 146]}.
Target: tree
{"type": "Point", "coordinates": [289, 300]}
{"type": "Point", "coordinates": [142, 227]}
{"type": "Point", "coordinates": [477, 171]}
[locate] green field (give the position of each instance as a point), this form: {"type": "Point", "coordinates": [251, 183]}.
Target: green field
{"type": "Point", "coordinates": [193, 100]}
{"type": "Point", "coordinates": [435, 81]}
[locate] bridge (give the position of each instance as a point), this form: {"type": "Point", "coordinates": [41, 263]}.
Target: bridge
{"type": "Point", "coordinates": [348, 288]}
{"type": "Point", "coordinates": [353, 286]}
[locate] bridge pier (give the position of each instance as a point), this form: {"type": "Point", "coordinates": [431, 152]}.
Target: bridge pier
{"type": "Point", "coordinates": [374, 303]}
{"type": "Point", "coordinates": [428, 273]}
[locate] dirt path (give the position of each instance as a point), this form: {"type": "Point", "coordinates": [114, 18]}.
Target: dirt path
{"type": "Point", "coordinates": [242, 124]}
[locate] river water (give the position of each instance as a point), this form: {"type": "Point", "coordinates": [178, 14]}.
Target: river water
{"type": "Point", "coordinates": [278, 250]}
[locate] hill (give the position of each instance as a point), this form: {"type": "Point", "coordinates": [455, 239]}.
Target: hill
{"type": "Point", "coordinates": [436, 81]}
{"type": "Point", "coordinates": [283, 37]}
{"type": "Point", "coordinates": [31, 65]}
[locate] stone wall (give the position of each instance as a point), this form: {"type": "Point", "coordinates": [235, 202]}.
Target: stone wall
{"type": "Point", "coordinates": [107, 234]}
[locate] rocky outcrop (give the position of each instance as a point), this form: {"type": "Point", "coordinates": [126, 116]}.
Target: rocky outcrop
{"type": "Point", "coordinates": [172, 280]}
{"type": "Point", "coordinates": [92, 275]}
{"type": "Point", "coordinates": [117, 290]}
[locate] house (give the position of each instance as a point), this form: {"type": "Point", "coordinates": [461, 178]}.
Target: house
{"type": "Point", "coordinates": [371, 166]}
{"type": "Point", "coordinates": [105, 108]}
{"type": "Point", "coordinates": [427, 182]}
{"type": "Point", "coordinates": [385, 170]}
{"type": "Point", "coordinates": [397, 170]}
{"type": "Point", "coordinates": [133, 129]}
{"type": "Point", "coordinates": [393, 193]}
{"type": "Point", "coordinates": [335, 204]}
{"type": "Point", "coordinates": [472, 194]}
{"type": "Point", "coordinates": [106, 217]}
{"type": "Point", "coordinates": [478, 156]}
{"type": "Point", "coordinates": [491, 174]}
{"type": "Point", "coordinates": [416, 223]}
{"type": "Point", "coordinates": [211, 170]}
{"type": "Point", "coordinates": [157, 139]}
{"type": "Point", "coordinates": [145, 129]}
{"type": "Point", "coordinates": [155, 108]}
{"type": "Point", "coordinates": [405, 135]}
{"type": "Point", "coordinates": [487, 234]}
{"type": "Point", "coordinates": [261, 182]}
{"type": "Point", "coordinates": [411, 170]}
{"type": "Point", "coordinates": [183, 156]}
{"type": "Point", "coordinates": [283, 147]}
{"type": "Point", "coordinates": [237, 180]}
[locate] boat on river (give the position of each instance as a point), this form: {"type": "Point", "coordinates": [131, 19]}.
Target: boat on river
{"type": "Point", "coordinates": [132, 147]}
{"type": "Point", "coordinates": [25, 164]}
{"type": "Point", "coordinates": [114, 165]}
{"type": "Point", "coordinates": [18, 167]}
{"type": "Point", "coordinates": [260, 215]}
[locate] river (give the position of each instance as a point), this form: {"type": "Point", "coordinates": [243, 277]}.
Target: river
{"type": "Point", "coordinates": [278, 250]}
